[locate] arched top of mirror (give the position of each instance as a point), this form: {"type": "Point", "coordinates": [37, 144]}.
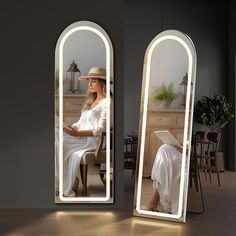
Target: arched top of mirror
{"type": "Point", "coordinates": [90, 34]}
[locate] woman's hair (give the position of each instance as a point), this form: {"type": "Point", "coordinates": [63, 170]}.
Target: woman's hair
{"type": "Point", "coordinates": [91, 97]}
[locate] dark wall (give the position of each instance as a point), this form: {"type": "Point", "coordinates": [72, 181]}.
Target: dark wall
{"type": "Point", "coordinates": [29, 32]}
{"type": "Point", "coordinates": [231, 84]}
{"type": "Point", "coordinates": [206, 22]}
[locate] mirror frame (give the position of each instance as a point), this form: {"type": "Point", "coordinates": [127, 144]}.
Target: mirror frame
{"type": "Point", "coordinates": [188, 45]}
{"type": "Point", "coordinates": [99, 31]}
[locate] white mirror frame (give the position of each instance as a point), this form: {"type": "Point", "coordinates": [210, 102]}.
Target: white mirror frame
{"type": "Point", "coordinates": [99, 31]}
{"type": "Point", "coordinates": [188, 45]}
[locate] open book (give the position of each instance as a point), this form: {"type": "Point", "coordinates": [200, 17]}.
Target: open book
{"type": "Point", "coordinates": [166, 137]}
{"type": "Point", "coordinates": [57, 123]}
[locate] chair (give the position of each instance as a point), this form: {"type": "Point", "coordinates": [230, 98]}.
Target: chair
{"type": "Point", "coordinates": [193, 168]}
{"type": "Point", "coordinates": [211, 154]}
{"type": "Point", "coordinates": [194, 173]}
{"type": "Point", "coordinates": [99, 156]}
{"type": "Point", "coordinates": [197, 153]}
{"type": "Point", "coordinates": [209, 147]}
{"type": "Point", "coordinates": [130, 153]}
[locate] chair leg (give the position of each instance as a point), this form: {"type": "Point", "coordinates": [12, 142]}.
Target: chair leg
{"type": "Point", "coordinates": [217, 170]}
{"type": "Point", "coordinates": [190, 179]}
{"type": "Point", "coordinates": [202, 199]}
{"type": "Point", "coordinates": [205, 172]}
{"type": "Point", "coordinates": [218, 177]}
{"type": "Point", "coordinates": [84, 174]}
{"type": "Point", "coordinates": [195, 176]}
{"type": "Point", "coordinates": [209, 169]}
{"type": "Point", "coordinates": [204, 168]}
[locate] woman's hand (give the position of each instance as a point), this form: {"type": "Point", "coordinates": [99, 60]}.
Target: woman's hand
{"type": "Point", "coordinates": [73, 131]}
{"type": "Point", "coordinates": [179, 148]}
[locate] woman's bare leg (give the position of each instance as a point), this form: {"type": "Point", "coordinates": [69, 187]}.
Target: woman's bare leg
{"type": "Point", "coordinates": [152, 204]}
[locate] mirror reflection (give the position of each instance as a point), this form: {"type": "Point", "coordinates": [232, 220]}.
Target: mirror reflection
{"type": "Point", "coordinates": [83, 137]}
{"type": "Point", "coordinates": [165, 129]}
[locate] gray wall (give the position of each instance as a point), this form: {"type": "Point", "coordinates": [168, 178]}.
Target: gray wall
{"type": "Point", "coordinates": [29, 33]}
{"type": "Point", "coordinates": [169, 65]}
{"type": "Point", "coordinates": [87, 50]}
{"type": "Point", "coordinates": [206, 22]}
{"type": "Point", "coordinates": [231, 84]}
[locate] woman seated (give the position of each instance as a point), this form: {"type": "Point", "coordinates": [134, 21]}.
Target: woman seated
{"type": "Point", "coordinates": [166, 172]}
{"type": "Point", "coordinates": [83, 135]}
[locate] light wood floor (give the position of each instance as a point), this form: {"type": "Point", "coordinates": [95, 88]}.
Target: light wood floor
{"type": "Point", "coordinates": [94, 184]}
{"type": "Point", "coordinates": [219, 218]}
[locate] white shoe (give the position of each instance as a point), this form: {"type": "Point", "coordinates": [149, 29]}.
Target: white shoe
{"type": "Point", "coordinates": [145, 208]}
{"type": "Point", "coordinates": [72, 194]}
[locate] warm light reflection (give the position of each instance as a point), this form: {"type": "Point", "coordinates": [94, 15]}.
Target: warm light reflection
{"type": "Point", "coordinates": [158, 225]}
{"type": "Point", "coordinates": [106, 214]}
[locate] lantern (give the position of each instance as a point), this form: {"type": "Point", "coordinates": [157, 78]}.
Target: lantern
{"type": "Point", "coordinates": [73, 70]}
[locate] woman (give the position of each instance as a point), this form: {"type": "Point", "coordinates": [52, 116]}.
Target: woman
{"type": "Point", "coordinates": [83, 135]}
{"type": "Point", "coordinates": [166, 172]}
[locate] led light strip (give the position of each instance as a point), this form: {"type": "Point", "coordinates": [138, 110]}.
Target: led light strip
{"type": "Point", "coordinates": [108, 76]}
{"type": "Point", "coordinates": [190, 67]}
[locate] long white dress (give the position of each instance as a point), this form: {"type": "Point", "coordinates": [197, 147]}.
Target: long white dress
{"type": "Point", "coordinates": [74, 147]}
{"type": "Point", "coordinates": [166, 172]}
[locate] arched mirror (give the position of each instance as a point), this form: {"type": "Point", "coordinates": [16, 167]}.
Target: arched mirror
{"type": "Point", "coordinates": [83, 115]}
{"type": "Point", "coordinates": [165, 127]}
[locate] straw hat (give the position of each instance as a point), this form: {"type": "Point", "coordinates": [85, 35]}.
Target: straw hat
{"type": "Point", "coordinates": [95, 72]}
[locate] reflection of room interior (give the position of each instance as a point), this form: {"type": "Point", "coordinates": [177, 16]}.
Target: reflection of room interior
{"type": "Point", "coordinates": [162, 119]}
{"type": "Point", "coordinates": [165, 119]}
{"type": "Point", "coordinates": [77, 61]}
{"type": "Point", "coordinates": [95, 187]}
{"type": "Point", "coordinates": [168, 82]}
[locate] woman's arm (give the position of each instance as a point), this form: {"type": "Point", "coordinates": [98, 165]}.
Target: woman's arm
{"type": "Point", "coordinates": [77, 133]}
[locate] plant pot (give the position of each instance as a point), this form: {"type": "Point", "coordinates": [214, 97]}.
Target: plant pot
{"type": "Point", "coordinates": [221, 161]}
{"type": "Point", "coordinates": [164, 104]}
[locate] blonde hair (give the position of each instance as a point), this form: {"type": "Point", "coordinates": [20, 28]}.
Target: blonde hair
{"type": "Point", "coordinates": [91, 97]}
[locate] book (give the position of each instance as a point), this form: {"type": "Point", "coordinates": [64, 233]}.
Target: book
{"type": "Point", "coordinates": [57, 123]}
{"type": "Point", "coordinates": [166, 137]}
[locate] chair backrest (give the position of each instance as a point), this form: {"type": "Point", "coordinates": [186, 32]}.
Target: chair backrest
{"type": "Point", "coordinates": [130, 153]}
{"type": "Point", "coordinates": [214, 141]}
{"type": "Point", "coordinates": [102, 146]}
{"type": "Point", "coordinates": [198, 146]}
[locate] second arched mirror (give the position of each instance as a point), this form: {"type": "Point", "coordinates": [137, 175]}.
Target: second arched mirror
{"type": "Point", "coordinates": [165, 127]}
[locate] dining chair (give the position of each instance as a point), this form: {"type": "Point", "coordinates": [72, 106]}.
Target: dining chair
{"type": "Point", "coordinates": [208, 156]}
{"type": "Point", "coordinates": [130, 154]}
{"type": "Point", "coordinates": [98, 156]}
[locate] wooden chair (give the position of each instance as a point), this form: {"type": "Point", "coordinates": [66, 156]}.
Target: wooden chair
{"type": "Point", "coordinates": [211, 154]}
{"type": "Point", "coordinates": [193, 168]}
{"type": "Point", "coordinates": [130, 153]}
{"type": "Point", "coordinates": [208, 155]}
{"type": "Point", "coordinates": [194, 174]}
{"type": "Point", "coordinates": [99, 156]}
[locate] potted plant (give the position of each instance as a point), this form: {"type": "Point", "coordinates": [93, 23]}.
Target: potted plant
{"type": "Point", "coordinates": [164, 95]}
{"type": "Point", "coordinates": [214, 112]}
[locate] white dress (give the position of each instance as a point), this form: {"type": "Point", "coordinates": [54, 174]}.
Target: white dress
{"type": "Point", "coordinates": [166, 172]}
{"type": "Point", "coordinates": [74, 147]}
